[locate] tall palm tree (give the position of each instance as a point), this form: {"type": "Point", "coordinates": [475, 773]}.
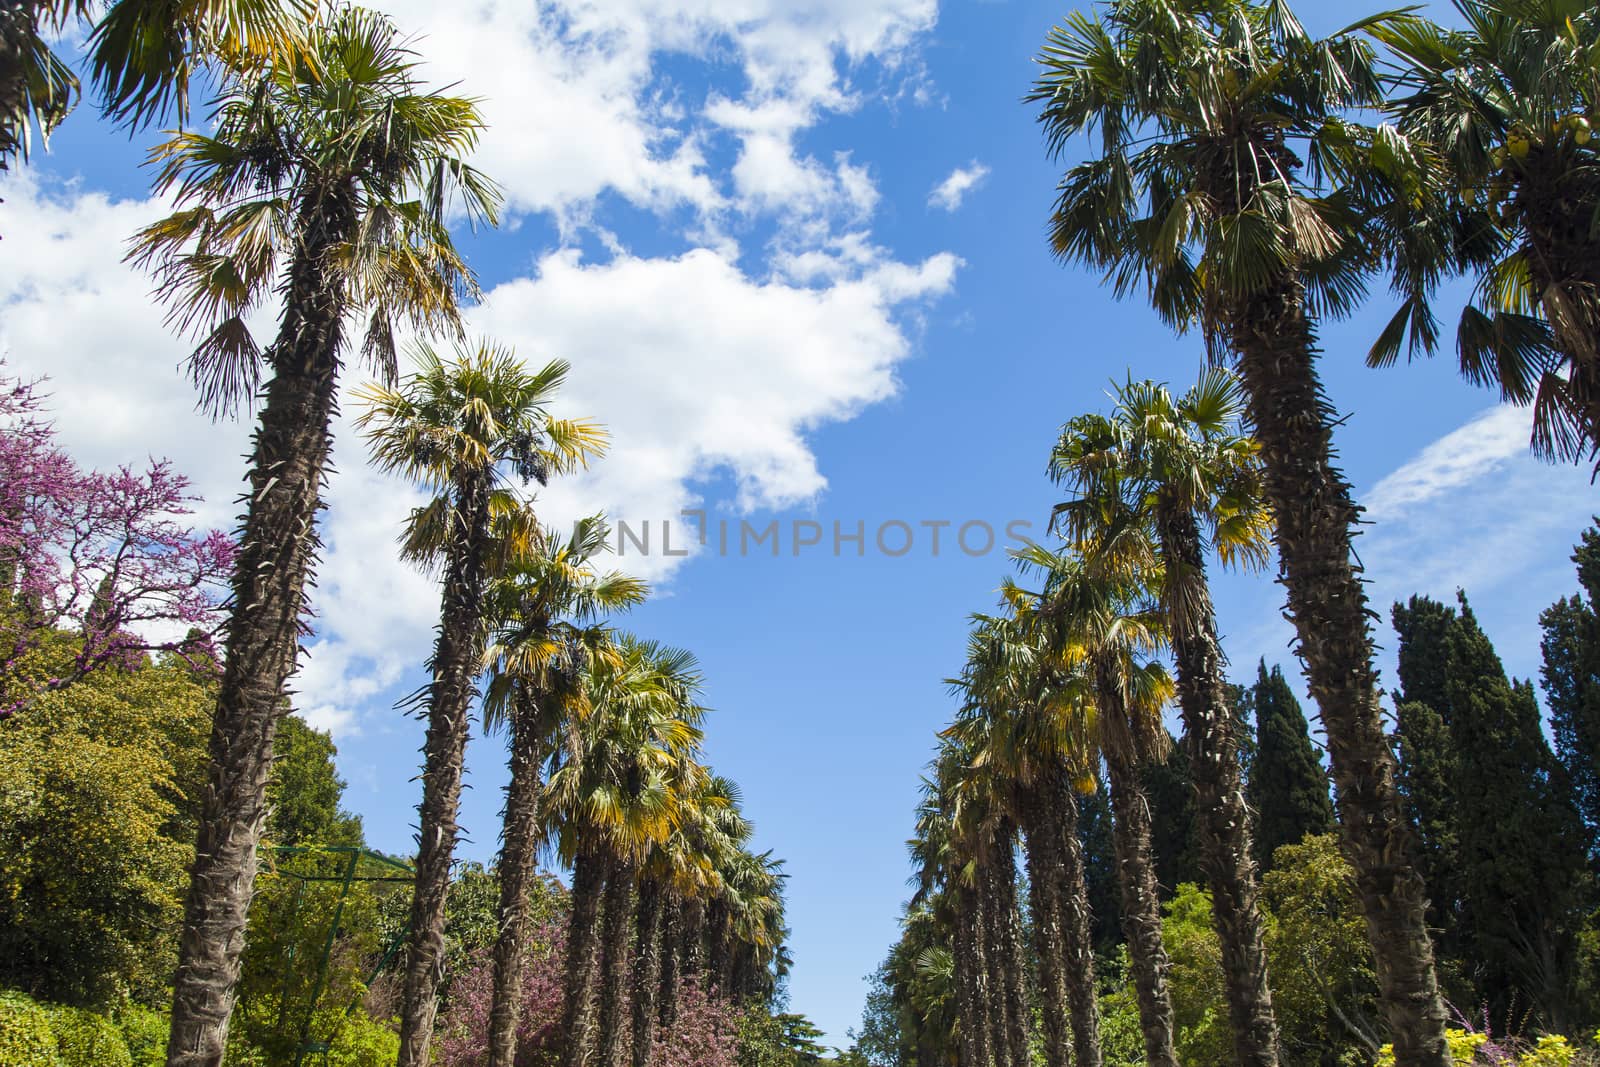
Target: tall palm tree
{"type": "Point", "coordinates": [1160, 482]}
{"type": "Point", "coordinates": [333, 173]}
{"type": "Point", "coordinates": [1024, 719]}
{"type": "Point", "coordinates": [1499, 173]}
{"type": "Point", "coordinates": [142, 54]}
{"type": "Point", "coordinates": [1199, 196]}
{"type": "Point", "coordinates": [464, 426]}
{"type": "Point", "coordinates": [618, 789]}
{"type": "Point", "coordinates": [1109, 626]}
{"type": "Point", "coordinates": [544, 610]}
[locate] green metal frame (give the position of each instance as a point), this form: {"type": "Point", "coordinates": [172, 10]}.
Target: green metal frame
{"type": "Point", "coordinates": [347, 877]}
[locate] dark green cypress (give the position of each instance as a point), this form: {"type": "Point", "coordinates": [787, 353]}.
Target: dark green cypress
{"type": "Point", "coordinates": [1100, 869]}
{"type": "Point", "coordinates": [1170, 789]}
{"type": "Point", "coordinates": [1519, 841]}
{"type": "Point", "coordinates": [1427, 774]}
{"type": "Point", "coordinates": [1288, 788]}
{"type": "Point", "coordinates": [1571, 680]}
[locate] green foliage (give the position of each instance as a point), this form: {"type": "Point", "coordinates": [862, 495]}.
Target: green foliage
{"type": "Point", "coordinates": [145, 1030]}
{"type": "Point", "coordinates": [1100, 869]}
{"type": "Point", "coordinates": [782, 1040]}
{"type": "Point", "coordinates": [1570, 676]}
{"type": "Point", "coordinates": [85, 1039]}
{"type": "Point", "coordinates": [305, 790]}
{"type": "Point", "coordinates": [1170, 788]}
{"type": "Point", "coordinates": [90, 873]}
{"type": "Point", "coordinates": [1288, 788]}
{"type": "Point", "coordinates": [1468, 1048]}
{"type": "Point", "coordinates": [1519, 839]}
{"type": "Point", "coordinates": [26, 1036]}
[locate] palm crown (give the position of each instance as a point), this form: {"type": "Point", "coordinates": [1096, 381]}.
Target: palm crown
{"type": "Point", "coordinates": [337, 149]}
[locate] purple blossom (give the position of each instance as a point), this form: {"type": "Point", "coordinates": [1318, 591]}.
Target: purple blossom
{"type": "Point", "coordinates": [106, 556]}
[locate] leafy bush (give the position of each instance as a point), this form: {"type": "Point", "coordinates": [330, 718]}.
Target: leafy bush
{"type": "Point", "coordinates": [85, 1039]}
{"type": "Point", "coordinates": [26, 1038]}
{"type": "Point", "coordinates": [1468, 1048]}
{"type": "Point", "coordinates": [145, 1032]}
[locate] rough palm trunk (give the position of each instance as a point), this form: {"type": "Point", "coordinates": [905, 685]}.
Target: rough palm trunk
{"type": "Point", "coordinates": [718, 923]}
{"type": "Point", "coordinates": [671, 959]}
{"type": "Point", "coordinates": [1077, 926]}
{"type": "Point", "coordinates": [1226, 852]}
{"type": "Point", "coordinates": [993, 982]}
{"type": "Point", "coordinates": [646, 982]}
{"type": "Point", "coordinates": [969, 973]}
{"type": "Point", "coordinates": [1141, 909]}
{"type": "Point", "coordinates": [692, 941]}
{"type": "Point", "coordinates": [583, 960]}
{"type": "Point", "coordinates": [457, 652]}
{"type": "Point", "coordinates": [1062, 941]}
{"type": "Point", "coordinates": [1311, 503]}
{"type": "Point", "coordinates": [1017, 1017]}
{"type": "Point", "coordinates": [616, 938]}
{"type": "Point", "coordinates": [520, 840]}
{"type": "Point", "coordinates": [277, 553]}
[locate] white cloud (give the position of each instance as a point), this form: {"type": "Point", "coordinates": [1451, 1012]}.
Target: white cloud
{"type": "Point", "coordinates": [697, 367]}
{"type": "Point", "coordinates": [577, 104]}
{"type": "Point", "coordinates": [1492, 440]}
{"type": "Point", "coordinates": [950, 193]}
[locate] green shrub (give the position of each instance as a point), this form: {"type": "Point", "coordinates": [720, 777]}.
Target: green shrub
{"type": "Point", "coordinates": [85, 1039]}
{"type": "Point", "coordinates": [26, 1039]}
{"type": "Point", "coordinates": [145, 1031]}
{"type": "Point", "coordinates": [362, 1041]}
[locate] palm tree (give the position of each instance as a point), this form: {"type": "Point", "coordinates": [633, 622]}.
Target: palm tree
{"type": "Point", "coordinates": [1199, 197]}
{"type": "Point", "coordinates": [142, 54]}
{"type": "Point", "coordinates": [1024, 720]}
{"type": "Point", "coordinates": [618, 789]}
{"type": "Point", "coordinates": [1500, 173]}
{"type": "Point", "coordinates": [1160, 482]}
{"type": "Point", "coordinates": [455, 425]}
{"type": "Point", "coordinates": [544, 610]}
{"type": "Point", "coordinates": [1108, 626]}
{"type": "Point", "coordinates": [333, 173]}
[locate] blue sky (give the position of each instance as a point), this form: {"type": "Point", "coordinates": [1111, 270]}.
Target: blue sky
{"type": "Point", "coordinates": [794, 250]}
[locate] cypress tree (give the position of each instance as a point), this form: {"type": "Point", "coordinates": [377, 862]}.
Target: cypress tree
{"type": "Point", "coordinates": [1517, 833]}
{"type": "Point", "coordinates": [1100, 869]}
{"type": "Point", "coordinates": [1427, 772]}
{"type": "Point", "coordinates": [1170, 789]}
{"type": "Point", "coordinates": [1288, 789]}
{"type": "Point", "coordinates": [1570, 677]}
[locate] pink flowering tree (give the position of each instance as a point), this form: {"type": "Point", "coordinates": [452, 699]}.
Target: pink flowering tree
{"type": "Point", "coordinates": [106, 557]}
{"type": "Point", "coordinates": [704, 1034]}
{"type": "Point", "coordinates": [464, 1033]}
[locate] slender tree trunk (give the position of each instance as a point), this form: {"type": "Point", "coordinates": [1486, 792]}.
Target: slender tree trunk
{"type": "Point", "coordinates": [1141, 909]}
{"type": "Point", "coordinates": [671, 958]}
{"type": "Point", "coordinates": [969, 971]}
{"type": "Point", "coordinates": [646, 970]}
{"type": "Point", "coordinates": [717, 931]}
{"type": "Point", "coordinates": [583, 961]}
{"type": "Point", "coordinates": [1077, 923]}
{"type": "Point", "coordinates": [457, 651]}
{"type": "Point", "coordinates": [692, 944]}
{"type": "Point", "coordinates": [1063, 945]}
{"type": "Point", "coordinates": [277, 553]}
{"type": "Point", "coordinates": [995, 960]}
{"type": "Point", "coordinates": [1328, 605]}
{"type": "Point", "coordinates": [519, 843]}
{"type": "Point", "coordinates": [1013, 971]}
{"type": "Point", "coordinates": [615, 983]}
{"type": "Point", "coordinates": [1226, 852]}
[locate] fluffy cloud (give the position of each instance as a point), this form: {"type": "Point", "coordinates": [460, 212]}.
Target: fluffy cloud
{"type": "Point", "coordinates": [949, 193]}
{"type": "Point", "coordinates": [578, 104]}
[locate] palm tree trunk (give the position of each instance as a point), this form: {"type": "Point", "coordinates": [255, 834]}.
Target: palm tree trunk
{"type": "Point", "coordinates": [969, 968]}
{"type": "Point", "coordinates": [717, 931]}
{"type": "Point", "coordinates": [457, 651]}
{"type": "Point", "coordinates": [519, 842]}
{"type": "Point", "coordinates": [692, 942]}
{"type": "Point", "coordinates": [646, 970]}
{"type": "Point", "coordinates": [993, 1002]}
{"type": "Point", "coordinates": [1141, 909]}
{"type": "Point", "coordinates": [1063, 946]}
{"type": "Point", "coordinates": [1226, 852]}
{"type": "Point", "coordinates": [1327, 602]}
{"type": "Point", "coordinates": [583, 960]}
{"type": "Point", "coordinates": [614, 976]}
{"type": "Point", "coordinates": [671, 958]}
{"type": "Point", "coordinates": [1017, 1018]}
{"type": "Point", "coordinates": [1077, 923]}
{"type": "Point", "coordinates": [277, 553]}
